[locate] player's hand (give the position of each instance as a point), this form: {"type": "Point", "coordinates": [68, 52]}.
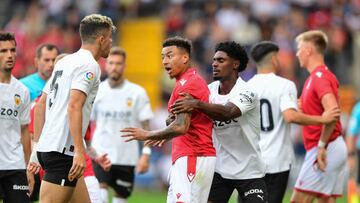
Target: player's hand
{"type": "Point", "coordinates": [143, 164]}
{"type": "Point", "coordinates": [321, 158]}
{"type": "Point", "coordinates": [33, 165]}
{"type": "Point", "coordinates": [135, 134]}
{"type": "Point", "coordinates": [155, 143]}
{"type": "Point", "coordinates": [31, 182]}
{"type": "Point", "coordinates": [184, 105]}
{"type": "Point", "coordinates": [78, 166]}
{"type": "Point", "coordinates": [104, 162]}
{"type": "Point", "coordinates": [33, 168]}
{"type": "Point", "coordinates": [299, 105]}
{"type": "Point", "coordinates": [331, 115]}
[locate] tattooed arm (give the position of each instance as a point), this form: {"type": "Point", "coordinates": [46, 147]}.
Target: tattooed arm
{"type": "Point", "coordinates": [178, 127]}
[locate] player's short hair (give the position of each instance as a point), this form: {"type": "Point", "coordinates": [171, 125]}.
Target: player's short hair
{"type": "Point", "coordinates": [317, 37]}
{"type": "Point", "coordinates": [118, 51]}
{"type": "Point", "coordinates": [94, 25]}
{"type": "Point", "coordinates": [262, 49]}
{"type": "Point", "coordinates": [7, 36]}
{"type": "Point", "coordinates": [179, 42]}
{"type": "Point", "coordinates": [235, 51]}
{"type": "Point", "coordinates": [48, 47]}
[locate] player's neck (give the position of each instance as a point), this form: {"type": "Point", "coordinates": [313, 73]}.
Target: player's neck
{"type": "Point", "coordinates": [42, 76]}
{"type": "Point", "coordinates": [265, 70]}
{"type": "Point", "coordinates": [116, 83]}
{"type": "Point", "coordinates": [5, 77]}
{"type": "Point", "coordinates": [314, 63]}
{"type": "Point", "coordinates": [93, 49]}
{"type": "Point", "coordinates": [227, 85]}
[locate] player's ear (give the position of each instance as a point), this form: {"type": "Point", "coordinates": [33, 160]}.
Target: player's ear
{"type": "Point", "coordinates": [186, 58]}
{"type": "Point", "coordinates": [236, 64]}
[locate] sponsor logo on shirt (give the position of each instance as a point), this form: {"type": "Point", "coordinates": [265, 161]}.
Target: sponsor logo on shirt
{"type": "Point", "coordinates": [8, 112]}
{"type": "Point", "coordinates": [182, 82]}
{"type": "Point", "coordinates": [89, 76]}
{"type": "Point", "coordinates": [17, 99]}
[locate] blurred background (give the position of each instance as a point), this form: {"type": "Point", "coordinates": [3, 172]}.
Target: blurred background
{"type": "Point", "coordinates": [144, 24]}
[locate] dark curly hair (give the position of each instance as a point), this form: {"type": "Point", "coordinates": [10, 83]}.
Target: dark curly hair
{"type": "Point", "coordinates": [235, 51]}
{"type": "Point", "coordinates": [7, 36]}
{"type": "Point", "coordinates": [178, 42]}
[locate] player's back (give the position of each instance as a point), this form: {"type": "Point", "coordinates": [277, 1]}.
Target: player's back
{"type": "Point", "coordinates": [76, 71]}
{"type": "Point", "coordinates": [276, 94]}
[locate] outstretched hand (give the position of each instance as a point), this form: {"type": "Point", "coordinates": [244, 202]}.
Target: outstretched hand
{"type": "Point", "coordinates": [184, 105]}
{"type": "Point", "coordinates": [331, 115]}
{"type": "Point", "coordinates": [155, 143]}
{"type": "Point", "coordinates": [135, 134]}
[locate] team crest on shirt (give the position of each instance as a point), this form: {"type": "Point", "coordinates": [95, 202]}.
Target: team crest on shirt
{"type": "Point", "coordinates": [89, 76]}
{"type": "Point", "coordinates": [129, 102]}
{"type": "Point", "coordinates": [318, 74]}
{"type": "Point", "coordinates": [17, 99]}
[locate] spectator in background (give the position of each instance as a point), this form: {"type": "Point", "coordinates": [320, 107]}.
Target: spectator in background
{"type": "Point", "coordinates": [44, 62]}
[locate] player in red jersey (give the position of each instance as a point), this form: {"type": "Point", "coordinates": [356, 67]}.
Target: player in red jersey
{"type": "Point", "coordinates": [193, 154]}
{"type": "Point", "coordinates": [323, 172]}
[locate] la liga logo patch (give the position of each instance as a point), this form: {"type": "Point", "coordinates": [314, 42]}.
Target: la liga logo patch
{"type": "Point", "coordinates": [89, 76]}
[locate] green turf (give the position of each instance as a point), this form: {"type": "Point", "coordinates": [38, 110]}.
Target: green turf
{"type": "Point", "coordinates": [141, 196]}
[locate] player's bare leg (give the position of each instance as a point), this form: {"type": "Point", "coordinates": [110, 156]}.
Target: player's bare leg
{"type": "Point", "coordinates": [81, 193]}
{"type": "Point", "coordinates": [51, 193]}
{"type": "Point", "coordinates": [301, 197]}
{"type": "Point", "coordinates": [327, 200]}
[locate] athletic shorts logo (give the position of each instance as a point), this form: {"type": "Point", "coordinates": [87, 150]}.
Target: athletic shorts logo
{"type": "Point", "coordinates": [253, 191]}
{"type": "Point", "coordinates": [89, 76]}
{"type": "Point", "coordinates": [17, 99]}
{"type": "Point", "coordinates": [20, 187]}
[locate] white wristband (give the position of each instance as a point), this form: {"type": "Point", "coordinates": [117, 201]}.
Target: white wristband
{"type": "Point", "coordinates": [33, 156]}
{"type": "Point", "coordinates": [146, 150]}
{"type": "Point", "coordinates": [321, 144]}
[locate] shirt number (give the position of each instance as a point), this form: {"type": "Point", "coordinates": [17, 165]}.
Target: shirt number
{"type": "Point", "coordinates": [54, 86]}
{"type": "Point", "coordinates": [266, 116]}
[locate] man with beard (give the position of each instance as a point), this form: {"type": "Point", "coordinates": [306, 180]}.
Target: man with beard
{"type": "Point", "coordinates": [15, 143]}
{"type": "Point", "coordinates": [119, 104]}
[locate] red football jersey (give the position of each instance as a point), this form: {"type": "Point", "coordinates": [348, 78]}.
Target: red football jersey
{"type": "Point", "coordinates": [198, 139]}
{"type": "Point", "coordinates": [320, 82]}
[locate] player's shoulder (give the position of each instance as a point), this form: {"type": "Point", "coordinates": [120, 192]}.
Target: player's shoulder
{"type": "Point", "coordinates": [356, 108]}
{"type": "Point", "coordinates": [19, 86]}
{"type": "Point", "coordinates": [28, 79]}
{"type": "Point", "coordinates": [214, 85]}
{"type": "Point", "coordinates": [135, 88]}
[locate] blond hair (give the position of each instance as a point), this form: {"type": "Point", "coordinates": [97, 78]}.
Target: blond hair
{"type": "Point", "coordinates": [93, 26]}
{"type": "Point", "coordinates": [118, 51]}
{"type": "Point", "coordinates": [316, 37]}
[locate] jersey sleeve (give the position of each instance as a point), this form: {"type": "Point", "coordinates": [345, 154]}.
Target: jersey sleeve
{"type": "Point", "coordinates": [322, 84]}
{"type": "Point", "coordinates": [144, 107]}
{"type": "Point", "coordinates": [354, 123]}
{"type": "Point", "coordinates": [25, 110]}
{"type": "Point", "coordinates": [84, 78]}
{"type": "Point", "coordinates": [288, 98]}
{"type": "Point", "coordinates": [245, 100]}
